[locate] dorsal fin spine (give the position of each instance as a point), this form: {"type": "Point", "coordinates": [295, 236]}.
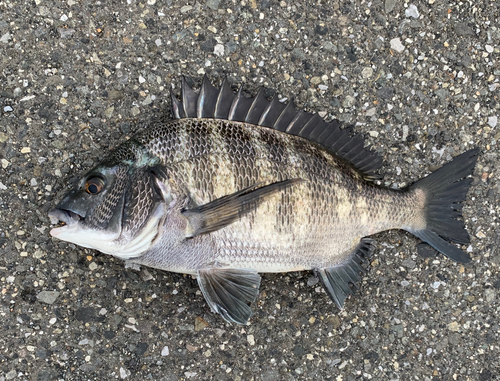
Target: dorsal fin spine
{"type": "Point", "coordinates": [259, 97]}
{"type": "Point", "coordinates": [232, 109]}
{"type": "Point", "coordinates": [264, 114]}
{"type": "Point", "coordinates": [276, 125]}
{"type": "Point", "coordinates": [221, 105]}
{"type": "Point", "coordinates": [294, 120]}
{"type": "Point", "coordinates": [189, 99]}
{"type": "Point", "coordinates": [201, 96]}
{"type": "Point", "coordinates": [176, 106]}
{"type": "Point", "coordinates": [311, 122]}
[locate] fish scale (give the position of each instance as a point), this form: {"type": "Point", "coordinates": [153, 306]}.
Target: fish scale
{"type": "Point", "coordinates": [234, 186]}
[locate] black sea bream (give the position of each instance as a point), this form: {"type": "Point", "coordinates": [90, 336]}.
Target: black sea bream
{"type": "Point", "coordinates": [236, 186]}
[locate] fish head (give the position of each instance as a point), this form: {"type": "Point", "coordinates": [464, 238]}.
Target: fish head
{"type": "Point", "coordinates": [118, 207]}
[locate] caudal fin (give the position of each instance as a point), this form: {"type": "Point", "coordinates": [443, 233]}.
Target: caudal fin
{"type": "Point", "coordinates": [445, 190]}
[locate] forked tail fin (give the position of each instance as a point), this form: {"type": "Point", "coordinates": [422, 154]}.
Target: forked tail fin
{"type": "Point", "coordinates": [445, 190]}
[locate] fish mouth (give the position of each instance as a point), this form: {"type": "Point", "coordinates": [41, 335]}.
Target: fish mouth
{"type": "Point", "coordinates": [66, 219]}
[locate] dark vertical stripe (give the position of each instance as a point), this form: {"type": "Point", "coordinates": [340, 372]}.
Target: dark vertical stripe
{"type": "Point", "coordinates": [285, 212]}
{"type": "Point", "coordinates": [199, 134]}
{"type": "Point", "coordinates": [239, 144]}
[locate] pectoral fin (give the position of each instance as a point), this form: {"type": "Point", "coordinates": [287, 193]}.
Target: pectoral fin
{"type": "Point", "coordinates": [229, 292]}
{"type": "Point", "coordinates": [225, 210]}
{"type": "Point", "coordinates": [337, 280]}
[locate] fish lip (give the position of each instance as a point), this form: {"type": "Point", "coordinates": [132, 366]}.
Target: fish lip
{"type": "Point", "coordinates": [69, 217]}
{"type": "Point", "coordinates": [64, 215]}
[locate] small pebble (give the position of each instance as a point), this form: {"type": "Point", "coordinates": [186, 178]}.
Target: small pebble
{"type": "Point", "coordinates": [124, 373]}
{"type": "Point", "coordinates": [412, 11]}
{"type": "Point", "coordinates": [251, 340]}
{"type": "Point", "coordinates": [397, 45]}
{"type": "Point", "coordinates": [213, 4]}
{"type": "Point", "coordinates": [191, 348]}
{"type": "Point", "coordinates": [5, 38]}
{"type": "Point", "coordinates": [109, 112]}
{"type": "Point", "coordinates": [492, 121]}
{"type": "Point", "coordinates": [219, 50]}
{"type": "Point", "coordinates": [490, 295]}
{"type": "Point", "coordinates": [454, 326]}
{"type": "Point", "coordinates": [315, 80]}
{"type": "Point", "coordinates": [389, 5]}
{"type": "Point", "coordinates": [165, 351]}
{"type": "Point", "coordinates": [367, 72]}
{"type": "Point", "coordinates": [8, 109]}
{"type": "Point", "coordinates": [48, 297]}
{"type": "Point", "coordinates": [436, 285]}
{"type": "Point", "coordinates": [199, 324]}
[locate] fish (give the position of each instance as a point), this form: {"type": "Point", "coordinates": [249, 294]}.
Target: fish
{"type": "Point", "coordinates": [234, 186]}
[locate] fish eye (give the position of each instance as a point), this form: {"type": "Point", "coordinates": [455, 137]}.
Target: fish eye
{"type": "Point", "coordinates": [94, 185]}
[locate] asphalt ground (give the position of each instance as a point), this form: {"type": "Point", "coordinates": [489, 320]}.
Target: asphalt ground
{"type": "Point", "coordinates": [420, 80]}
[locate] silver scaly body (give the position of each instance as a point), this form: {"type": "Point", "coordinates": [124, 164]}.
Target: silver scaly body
{"type": "Point", "coordinates": [317, 223]}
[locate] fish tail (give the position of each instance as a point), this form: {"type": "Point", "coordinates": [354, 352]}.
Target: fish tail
{"type": "Point", "coordinates": [444, 192]}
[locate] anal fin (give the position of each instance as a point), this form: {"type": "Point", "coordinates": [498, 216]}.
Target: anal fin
{"type": "Point", "coordinates": [229, 292]}
{"type": "Point", "coordinates": [337, 280]}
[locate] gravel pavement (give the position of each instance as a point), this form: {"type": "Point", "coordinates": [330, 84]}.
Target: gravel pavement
{"type": "Point", "coordinates": [419, 79]}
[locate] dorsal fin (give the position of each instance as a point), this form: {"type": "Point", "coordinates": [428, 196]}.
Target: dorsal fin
{"type": "Point", "coordinates": [224, 104]}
